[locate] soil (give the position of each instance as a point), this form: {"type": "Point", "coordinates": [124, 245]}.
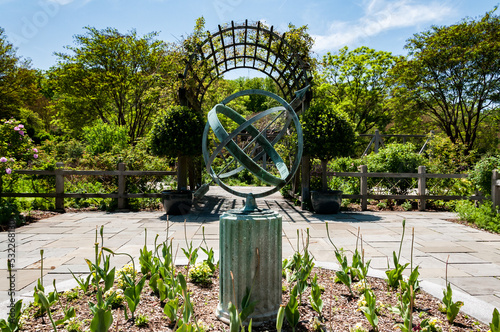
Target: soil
{"type": "Point", "coordinates": [340, 311]}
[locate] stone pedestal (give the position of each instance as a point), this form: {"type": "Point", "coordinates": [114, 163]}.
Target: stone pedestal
{"type": "Point", "coordinates": [250, 248]}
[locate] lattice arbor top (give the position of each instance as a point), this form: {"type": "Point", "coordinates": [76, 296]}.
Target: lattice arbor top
{"type": "Point", "coordinates": [252, 46]}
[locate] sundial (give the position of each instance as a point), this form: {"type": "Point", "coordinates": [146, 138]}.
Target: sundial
{"type": "Point", "coordinates": [250, 239]}
{"type": "Point", "coordinates": [282, 119]}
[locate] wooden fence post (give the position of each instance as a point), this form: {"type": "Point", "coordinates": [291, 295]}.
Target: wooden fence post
{"type": "Point", "coordinates": [364, 187]}
{"type": "Point", "coordinates": [306, 179]}
{"type": "Point", "coordinates": [495, 189]}
{"type": "Point", "coordinates": [377, 140]}
{"type": "Point", "coordinates": [421, 188]}
{"type": "Point", "coordinates": [59, 186]}
{"type": "Point", "coordinates": [121, 186]}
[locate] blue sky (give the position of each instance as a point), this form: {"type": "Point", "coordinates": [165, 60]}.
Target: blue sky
{"type": "Point", "coordinates": [38, 28]}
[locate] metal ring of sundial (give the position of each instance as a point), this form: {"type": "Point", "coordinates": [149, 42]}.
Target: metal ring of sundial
{"type": "Point", "coordinates": [226, 141]}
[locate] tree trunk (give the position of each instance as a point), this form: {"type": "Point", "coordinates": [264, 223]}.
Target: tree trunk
{"type": "Point", "coordinates": [192, 179]}
{"type": "Point", "coordinates": [182, 167]}
{"type": "Point", "coordinates": [324, 178]}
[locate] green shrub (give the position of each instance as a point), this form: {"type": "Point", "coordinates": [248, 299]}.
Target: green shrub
{"type": "Point", "coordinates": [395, 158]}
{"type": "Point", "coordinates": [177, 133]}
{"type": "Point", "coordinates": [201, 273]}
{"type": "Point", "coordinates": [104, 137]}
{"type": "Point", "coordinates": [8, 211]}
{"type": "Point", "coordinates": [349, 185]}
{"type": "Point", "coordinates": [446, 157]}
{"type": "Point", "coordinates": [480, 176]}
{"type": "Point", "coordinates": [483, 216]}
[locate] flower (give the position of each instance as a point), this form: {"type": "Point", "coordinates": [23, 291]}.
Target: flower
{"type": "Point", "coordinates": [35, 150]}
{"type": "Point", "coordinates": [21, 133]}
{"type": "Point", "coordinates": [3, 160]}
{"type": "Point", "coordinates": [17, 128]}
{"type": "Point", "coordinates": [35, 156]}
{"type": "Point", "coordinates": [21, 126]}
{"type": "Point", "coordinates": [8, 171]}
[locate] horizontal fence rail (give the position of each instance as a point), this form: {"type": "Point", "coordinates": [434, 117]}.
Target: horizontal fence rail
{"type": "Point", "coordinates": [122, 195]}
{"type": "Point", "coordinates": [421, 195]}
{"type": "Point", "coordinates": [59, 172]}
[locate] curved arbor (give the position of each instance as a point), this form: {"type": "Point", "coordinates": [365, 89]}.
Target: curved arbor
{"type": "Point", "coordinates": [252, 46]}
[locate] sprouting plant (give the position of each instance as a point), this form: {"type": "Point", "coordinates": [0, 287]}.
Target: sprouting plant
{"type": "Point", "coordinates": [12, 323]}
{"type": "Point", "coordinates": [395, 275]}
{"type": "Point", "coordinates": [141, 321]}
{"type": "Point", "coordinates": [292, 314]}
{"type": "Point", "coordinates": [236, 318]}
{"type": "Point", "coordinates": [101, 273]}
{"type": "Point", "coordinates": [315, 297]}
{"type": "Point", "coordinates": [495, 321]}
{"type": "Point", "coordinates": [170, 309]}
{"type": "Point", "coordinates": [69, 312]}
{"type": "Point", "coordinates": [46, 302]}
{"type": "Point", "coordinates": [210, 260]}
{"type": "Point", "coordinates": [450, 308]}
{"type": "Point", "coordinates": [405, 309]}
{"type": "Point", "coordinates": [280, 317]}
{"type": "Point", "coordinates": [370, 309]}
{"type": "Point", "coordinates": [83, 283]}
{"type": "Point", "coordinates": [101, 312]}
{"type": "Point", "coordinates": [299, 267]}
{"type": "Point", "coordinates": [191, 253]}
{"type": "Point", "coordinates": [344, 274]}
{"type": "Point", "coordinates": [132, 293]}
{"type": "Point", "coordinates": [146, 257]}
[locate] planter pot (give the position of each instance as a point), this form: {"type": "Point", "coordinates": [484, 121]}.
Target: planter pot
{"type": "Point", "coordinates": [177, 202]}
{"type": "Point", "coordinates": [326, 202]}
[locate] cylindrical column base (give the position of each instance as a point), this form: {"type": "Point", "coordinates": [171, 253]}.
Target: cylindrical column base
{"type": "Point", "coordinates": [250, 248]}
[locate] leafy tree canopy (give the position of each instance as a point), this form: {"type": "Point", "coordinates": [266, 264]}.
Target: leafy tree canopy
{"type": "Point", "coordinates": [453, 74]}
{"type": "Point", "coordinates": [18, 82]}
{"type": "Point", "coordinates": [356, 82]}
{"type": "Point", "coordinates": [117, 78]}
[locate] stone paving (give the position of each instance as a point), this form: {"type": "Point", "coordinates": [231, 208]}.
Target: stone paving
{"type": "Point", "coordinates": [473, 255]}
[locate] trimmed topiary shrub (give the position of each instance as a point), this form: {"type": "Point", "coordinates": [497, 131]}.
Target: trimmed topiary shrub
{"type": "Point", "coordinates": [327, 134]}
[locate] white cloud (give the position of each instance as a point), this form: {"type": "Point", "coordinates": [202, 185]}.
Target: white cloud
{"type": "Point", "coordinates": [380, 16]}
{"type": "Point", "coordinates": [62, 2]}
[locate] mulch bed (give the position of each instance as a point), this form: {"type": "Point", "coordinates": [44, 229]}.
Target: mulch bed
{"type": "Point", "coordinates": [340, 312]}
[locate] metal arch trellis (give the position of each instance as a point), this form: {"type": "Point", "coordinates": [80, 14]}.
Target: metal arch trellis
{"type": "Point", "coordinates": [251, 46]}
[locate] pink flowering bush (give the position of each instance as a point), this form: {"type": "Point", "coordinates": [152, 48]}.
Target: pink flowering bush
{"type": "Point", "coordinates": [16, 147]}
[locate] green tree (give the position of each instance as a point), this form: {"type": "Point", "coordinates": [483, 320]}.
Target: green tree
{"type": "Point", "coordinates": [117, 78]}
{"type": "Point", "coordinates": [357, 83]}
{"type": "Point", "coordinates": [18, 82]}
{"type": "Point", "coordinates": [453, 74]}
{"type": "Point", "coordinates": [327, 134]}
{"type": "Point", "coordinates": [178, 134]}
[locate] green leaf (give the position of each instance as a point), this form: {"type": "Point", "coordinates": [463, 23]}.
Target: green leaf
{"type": "Point", "coordinates": [280, 318]}
{"type": "Point", "coordinates": [495, 321]}
{"type": "Point", "coordinates": [102, 320]}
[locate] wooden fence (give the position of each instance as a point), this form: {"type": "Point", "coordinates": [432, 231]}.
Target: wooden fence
{"type": "Point", "coordinates": [59, 172]}
{"type": "Point", "coordinates": [421, 193]}
{"type": "Point", "coordinates": [121, 195]}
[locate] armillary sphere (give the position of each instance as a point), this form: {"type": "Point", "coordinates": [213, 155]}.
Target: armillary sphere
{"type": "Point", "coordinates": [248, 156]}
